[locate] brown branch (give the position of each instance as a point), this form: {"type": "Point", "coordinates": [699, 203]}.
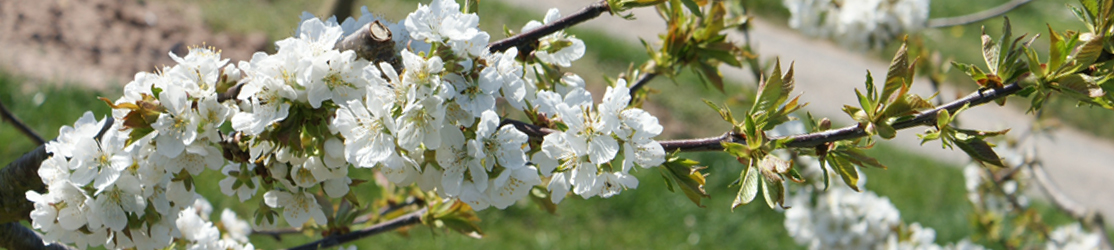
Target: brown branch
{"type": "Point", "coordinates": [22, 127]}
{"type": "Point", "coordinates": [277, 233]}
{"type": "Point", "coordinates": [16, 179]}
{"type": "Point", "coordinates": [22, 175]}
{"type": "Point", "coordinates": [386, 226]}
{"type": "Point", "coordinates": [977, 16]}
{"type": "Point", "coordinates": [15, 236]}
{"type": "Point", "coordinates": [372, 42]}
{"type": "Point", "coordinates": [232, 93]}
{"type": "Point", "coordinates": [525, 39]}
{"type": "Point", "coordinates": [1088, 217]}
{"type": "Point", "coordinates": [849, 132]}
{"type": "Point", "coordinates": [530, 129]}
{"type": "Point", "coordinates": [642, 81]}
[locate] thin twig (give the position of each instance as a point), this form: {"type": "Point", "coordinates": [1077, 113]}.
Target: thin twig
{"type": "Point", "coordinates": [522, 40]}
{"type": "Point", "coordinates": [232, 93]}
{"type": "Point", "coordinates": [977, 16]}
{"type": "Point", "coordinates": [1089, 217]}
{"type": "Point", "coordinates": [642, 81]}
{"type": "Point", "coordinates": [530, 129]}
{"type": "Point", "coordinates": [386, 226]}
{"type": "Point", "coordinates": [23, 128]}
{"type": "Point", "coordinates": [277, 233]}
{"type": "Point", "coordinates": [849, 132]}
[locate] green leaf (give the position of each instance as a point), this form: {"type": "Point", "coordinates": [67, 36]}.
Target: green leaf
{"type": "Point", "coordinates": [1000, 52]}
{"type": "Point", "coordinates": [975, 73]}
{"type": "Point", "coordinates": [885, 130]}
{"type": "Point", "coordinates": [864, 101]}
{"type": "Point", "coordinates": [457, 216]}
{"type": "Point", "coordinates": [668, 181]}
{"type": "Point", "coordinates": [713, 75]}
{"type": "Point", "coordinates": [846, 171]}
{"type": "Point", "coordinates": [774, 192]}
{"type": "Point", "coordinates": [770, 91]}
{"type": "Point", "coordinates": [900, 74]}
{"type": "Point", "coordinates": [929, 136]}
{"type": "Point", "coordinates": [821, 159]}
{"type": "Point", "coordinates": [858, 157]}
{"type": "Point", "coordinates": [990, 51]}
{"type": "Point", "coordinates": [1089, 51]}
{"type": "Point", "coordinates": [693, 7]}
{"type": "Point", "coordinates": [748, 189]}
{"type": "Point", "coordinates": [688, 178]}
{"type": "Point", "coordinates": [1034, 63]}
{"type": "Point", "coordinates": [541, 197]}
{"type": "Point", "coordinates": [1082, 84]}
{"type": "Point", "coordinates": [907, 104]}
{"type": "Point", "coordinates": [721, 53]}
{"type": "Point", "coordinates": [736, 149]}
{"type": "Point", "coordinates": [943, 118]}
{"type": "Point", "coordinates": [978, 149]}
{"type": "Point", "coordinates": [724, 111]}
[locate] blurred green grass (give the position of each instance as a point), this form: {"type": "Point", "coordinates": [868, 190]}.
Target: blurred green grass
{"type": "Point", "coordinates": [924, 190]}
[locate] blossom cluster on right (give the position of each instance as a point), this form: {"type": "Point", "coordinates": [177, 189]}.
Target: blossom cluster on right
{"type": "Point", "coordinates": [858, 24]}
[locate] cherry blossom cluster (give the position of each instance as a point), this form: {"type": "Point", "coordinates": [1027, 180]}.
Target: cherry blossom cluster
{"type": "Point", "coordinates": [989, 196]}
{"type": "Point", "coordinates": [842, 218]}
{"type": "Point", "coordinates": [859, 24]}
{"type": "Point", "coordinates": [308, 114]}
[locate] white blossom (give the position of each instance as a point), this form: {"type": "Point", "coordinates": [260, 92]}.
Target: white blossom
{"type": "Point", "coordinates": [557, 48]}
{"type": "Point", "coordinates": [1072, 236]}
{"type": "Point", "coordinates": [298, 207]}
{"type": "Point", "coordinates": [367, 129]}
{"type": "Point", "coordinates": [100, 161]}
{"type": "Point", "coordinates": [335, 76]}
{"type": "Point", "coordinates": [234, 227]}
{"type": "Point", "coordinates": [268, 98]}
{"type": "Point", "coordinates": [858, 24]}
{"type": "Point", "coordinates": [456, 158]}
{"type": "Point", "coordinates": [498, 145]}
{"type": "Point", "coordinates": [512, 185]}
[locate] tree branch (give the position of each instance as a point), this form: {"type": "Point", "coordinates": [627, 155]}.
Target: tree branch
{"type": "Point", "coordinates": [15, 236]}
{"type": "Point", "coordinates": [1089, 217]}
{"type": "Point", "coordinates": [277, 233]}
{"type": "Point", "coordinates": [372, 42]}
{"type": "Point", "coordinates": [22, 127]}
{"type": "Point", "coordinates": [22, 175]}
{"type": "Point", "coordinates": [16, 179]}
{"type": "Point", "coordinates": [642, 81]}
{"type": "Point", "coordinates": [849, 132]}
{"type": "Point", "coordinates": [523, 40]}
{"type": "Point", "coordinates": [231, 93]}
{"type": "Point", "coordinates": [977, 16]}
{"type": "Point", "coordinates": [386, 226]}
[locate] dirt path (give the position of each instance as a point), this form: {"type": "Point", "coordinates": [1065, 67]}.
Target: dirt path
{"type": "Point", "coordinates": [102, 43]}
{"type": "Point", "coordinates": [1079, 163]}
